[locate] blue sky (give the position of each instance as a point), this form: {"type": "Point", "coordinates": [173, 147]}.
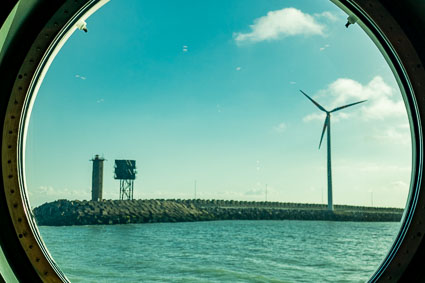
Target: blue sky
{"type": "Point", "coordinates": [209, 91]}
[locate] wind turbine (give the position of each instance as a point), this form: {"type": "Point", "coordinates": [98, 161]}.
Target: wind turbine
{"type": "Point", "coordinates": [327, 125]}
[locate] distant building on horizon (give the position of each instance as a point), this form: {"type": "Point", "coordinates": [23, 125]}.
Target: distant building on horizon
{"type": "Point", "coordinates": [97, 178]}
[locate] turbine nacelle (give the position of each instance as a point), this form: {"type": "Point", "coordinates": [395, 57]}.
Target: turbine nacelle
{"type": "Point", "coordinates": [328, 113]}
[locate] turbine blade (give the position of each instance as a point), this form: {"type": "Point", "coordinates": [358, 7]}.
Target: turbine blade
{"type": "Point", "coordinates": [324, 130]}
{"type": "Point", "coordinates": [315, 103]}
{"type": "Point", "coordinates": [345, 106]}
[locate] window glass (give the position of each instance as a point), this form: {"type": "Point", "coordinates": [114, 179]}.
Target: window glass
{"type": "Point", "coordinates": [205, 98]}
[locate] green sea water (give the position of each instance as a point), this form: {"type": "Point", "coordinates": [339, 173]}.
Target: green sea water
{"type": "Point", "coordinates": [221, 251]}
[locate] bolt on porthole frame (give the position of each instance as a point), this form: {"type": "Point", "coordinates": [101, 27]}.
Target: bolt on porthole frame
{"type": "Point", "coordinates": [370, 15]}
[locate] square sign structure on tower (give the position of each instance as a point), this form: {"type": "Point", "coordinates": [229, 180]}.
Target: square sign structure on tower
{"type": "Point", "coordinates": [125, 169]}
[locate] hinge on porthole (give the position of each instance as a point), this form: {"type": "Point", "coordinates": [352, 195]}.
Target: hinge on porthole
{"type": "Point", "coordinates": [82, 25]}
{"type": "Point", "coordinates": [351, 20]}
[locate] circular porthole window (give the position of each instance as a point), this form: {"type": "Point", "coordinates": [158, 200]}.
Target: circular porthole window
{"type": "Point", "coordinates": [212, 141]}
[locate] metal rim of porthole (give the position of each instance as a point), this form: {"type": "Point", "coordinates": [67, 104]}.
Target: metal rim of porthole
{"type": "Point", "coordinates": [58, 23]}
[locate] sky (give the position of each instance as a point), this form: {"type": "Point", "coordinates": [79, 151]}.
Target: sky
{"type": "Point", "coordinates": [208, 92]}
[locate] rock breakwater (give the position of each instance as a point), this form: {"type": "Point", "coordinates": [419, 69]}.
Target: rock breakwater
{"type": "Point", "coordinates": [65, 212]}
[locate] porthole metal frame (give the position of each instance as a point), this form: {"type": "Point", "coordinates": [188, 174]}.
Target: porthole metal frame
{"type": "Point", "coordinates": [408, 70]}
{"type": "Point", "coordinates": [41, 54]}
{"type": "Point", "coordinates": [373, 18]}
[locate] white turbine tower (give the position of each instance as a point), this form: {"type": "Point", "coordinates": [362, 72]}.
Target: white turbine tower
{"type": "Point", "coordinates": [327, 125]}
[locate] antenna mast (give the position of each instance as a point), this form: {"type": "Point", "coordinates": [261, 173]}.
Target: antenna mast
{"type": "Point", "coordinates": [266, 192]}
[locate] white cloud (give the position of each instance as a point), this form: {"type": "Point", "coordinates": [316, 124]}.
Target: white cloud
{"type": "Point", "coordinates": [260, 190]}
{"type": "Point", "coordinates": [320, 116]}
{"type": "Point", "coordinates": [399, 134]}
{"type": "Point", "coordinates": [292, 83]}
{"type": "Point", "coordinates": [315, 116]}
{"type": "Point", "coordinates": [44, 194]}
{"type": "Point", "coordinates": [279, 24]}
{"type": "Point", "coordinates": [327, 15]}
{"type": "Point", "coordinates": [399, 186]}
{"type": "Point", "coordinates": [100, 100]}
{"type": "Point", "coordinates": [280, 128]}
{"type": "Point", "coordinates": [80, 77]}
{"type": "Point", "coordinates": [60, 193]}
{"type": "Point", "coordinates": [382, 101]}
{"type": "Point", "coordinates": [238, 68]}
{"type": "Point", "coordinates": [255, 192]}
{"type": "Point", "coordinates": [324, 47]}
{"type": "Point", "coordinates": [371, 167]}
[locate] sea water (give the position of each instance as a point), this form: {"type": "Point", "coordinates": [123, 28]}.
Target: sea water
{"type": "Point", "coordinates": [221, 251]}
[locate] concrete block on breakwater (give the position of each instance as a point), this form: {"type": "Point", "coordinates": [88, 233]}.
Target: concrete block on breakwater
{"type": "Point", "coordinates": [65, 212]}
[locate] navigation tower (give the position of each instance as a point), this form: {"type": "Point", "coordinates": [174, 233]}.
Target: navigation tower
{"type": "Point", "coordinates": [125, 171]}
